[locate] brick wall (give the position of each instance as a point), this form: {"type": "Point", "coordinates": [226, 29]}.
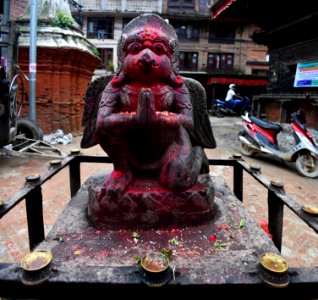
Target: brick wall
{"type": "Point", "coordinates": [17, 8]}
{"type": "Point", "coordinates": [62, 79]}
{"type": "Point", "coordinates": [272, 111]}
{"type": "Point", "coordinates": [280, 112]}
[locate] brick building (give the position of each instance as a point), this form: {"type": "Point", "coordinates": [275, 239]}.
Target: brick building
{"type": "Point", "coordinates": [291, 42]}
{"type": "Point", "coordinates": [65, 64]}
{"type": "Point", "coordinates": [17, 8]}
{"type": "Point", "coordinates": [215, 53]}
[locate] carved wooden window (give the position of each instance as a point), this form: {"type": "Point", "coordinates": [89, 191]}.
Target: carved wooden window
{"type": "Point", "coordinates": [220, 61]}
{"type": "Point", "coordinates": [222, 33]}
{"type": "Point", "coordinates": [100, 28]}
{"type": "Point", "coordinates": [188, 61]}
{"type": "Point", "coordinates": [186, 31]}
{"type": "Point", "coordinates": [186, 5]}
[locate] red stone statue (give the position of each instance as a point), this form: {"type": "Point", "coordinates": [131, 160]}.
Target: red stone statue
{"type": "Point", "coordinates": [153, 124]}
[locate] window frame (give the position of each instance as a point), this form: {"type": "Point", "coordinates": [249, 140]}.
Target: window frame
{"type": "Point", "coordinates": [186, 63]}
{"type": "Point", "coordinates": [189, 27]}
{"type": "Point", "coordinates": [222, 33]}
{"type": "Point", "coordinates": [100, 24]}
{"type": "Point", "coordinates": [220, 61]}
{"type": "Point", "coordinates": [106, 55]}
{"type": "Point", "coordinates": [181, 5]}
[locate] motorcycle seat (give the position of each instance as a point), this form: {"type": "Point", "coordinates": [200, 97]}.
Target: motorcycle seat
{"type": "Point", "coordinates": [265, 124]}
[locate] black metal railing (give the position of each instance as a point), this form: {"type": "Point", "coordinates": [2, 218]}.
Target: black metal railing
{"type": "Point", "coordinates": [32, 193]}
{"type": "Point", "coordinates": [276, 199]}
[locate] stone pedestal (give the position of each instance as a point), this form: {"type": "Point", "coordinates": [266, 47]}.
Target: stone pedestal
{"type": "Point", "coordinates": [147, 205]}
{"type": "Point", "coordinates": [219, 253]}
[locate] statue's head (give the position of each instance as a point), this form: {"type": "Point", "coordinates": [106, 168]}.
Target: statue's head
{"type": "Point", "coordinates": [148, 50]}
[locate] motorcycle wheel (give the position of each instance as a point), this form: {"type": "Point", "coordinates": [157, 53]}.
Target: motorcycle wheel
{"type": "Point", "coordinates": [246, 150]}
{"type": "Point", "coordinates": [29, 128]}
{"type": "Point", "coordinates": [219, 114]}
{"type": "Point", "coordinates": [307, 165]}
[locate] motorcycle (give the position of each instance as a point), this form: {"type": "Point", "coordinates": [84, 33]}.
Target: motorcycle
{"type": "Point", "coordinates": [260, 136]}
{"type": "Point", "coordinates": [234, 107]}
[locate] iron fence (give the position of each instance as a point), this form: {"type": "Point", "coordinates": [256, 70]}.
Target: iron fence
{"type": "Point", "coordinates": [304, 281]}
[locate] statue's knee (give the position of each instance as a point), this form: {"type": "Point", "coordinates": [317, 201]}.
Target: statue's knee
{"type": "Point", "coordinates": [179, 181]}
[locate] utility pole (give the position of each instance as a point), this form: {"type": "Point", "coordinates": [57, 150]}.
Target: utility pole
{"type": "Point", "coordinates": [32, 60]}
{"type": "Point", "coordinates": [7, 48]}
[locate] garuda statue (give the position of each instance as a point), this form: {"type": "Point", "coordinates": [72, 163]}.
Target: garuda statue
{"type": "Point", "coordinates": [154, 126]}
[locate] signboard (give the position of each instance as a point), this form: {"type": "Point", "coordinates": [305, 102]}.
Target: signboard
{"type": "Point", "coordinates": [306, 74]}
{"type": "Point", "coordinates": [32, 67]}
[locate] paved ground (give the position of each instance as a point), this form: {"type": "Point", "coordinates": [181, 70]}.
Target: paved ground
{"type": "Point", "coordinates": [300, 243]}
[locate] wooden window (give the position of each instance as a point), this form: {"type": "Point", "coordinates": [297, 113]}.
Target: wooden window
{"type": "Point", "coordinates": [222, 33]}
{"type": "Point", "coordinates": [186, 31]}
{"type": "Point", "coordinates": [126, 21]}
{"type": "Point", "coordinates": [106, 56]}
{"type": "Point", "coordinates": [220, 61]}
{"type": "Point", "coordinates": [174, 5]}
{"type": "Point", "coordinates": [188, 61]}
{"type": "Point", "coordinates": [100, 28]}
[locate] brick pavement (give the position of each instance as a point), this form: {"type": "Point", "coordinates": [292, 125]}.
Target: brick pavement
{"type": "Point", "coordinates": [299, 241]}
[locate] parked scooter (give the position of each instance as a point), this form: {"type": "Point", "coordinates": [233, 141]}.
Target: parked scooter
{"type": "Point", "coordinates": [235, 107]}
{"type": "Point", "coordinates": [260, 136]}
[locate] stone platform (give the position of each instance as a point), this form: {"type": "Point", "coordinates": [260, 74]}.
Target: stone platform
{"type": "Point", "coordinates": [224, 250]}
{"type": "Point", "coordinates": [146, 204]}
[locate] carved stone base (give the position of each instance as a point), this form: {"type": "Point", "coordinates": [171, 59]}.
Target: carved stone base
{"type": "Point", "coordinates": [147, 205]}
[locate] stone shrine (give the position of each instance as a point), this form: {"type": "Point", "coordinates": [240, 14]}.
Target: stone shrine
{"type": "Point", "coordinates": [154, 126]}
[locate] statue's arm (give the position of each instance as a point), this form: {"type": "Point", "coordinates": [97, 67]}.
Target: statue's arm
{"type": "Point", "coordinates": [109, 112]}
{"type": "Point", "coordinates": [183, 108]}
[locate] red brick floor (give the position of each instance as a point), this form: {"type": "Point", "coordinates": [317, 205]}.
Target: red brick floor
{"type": "Point", "coordinates": [300, 243]}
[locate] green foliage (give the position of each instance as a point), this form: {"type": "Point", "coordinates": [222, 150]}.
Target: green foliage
{"type": "Point", "coordinates": [219, 246]}
{"type": "Point", "coordinates": [173, 242]}
{"type": "Point", "coordinates": [95, 52]}
{"type": "Point", "coordinates": [63, 21]}
{"type": "Point", "coordinates": [111, 67]}
{"type": "Point", "coordinates": [135, 235]}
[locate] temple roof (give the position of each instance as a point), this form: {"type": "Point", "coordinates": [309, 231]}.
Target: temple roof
{"type": "Point", "coordinates": [282, 22]}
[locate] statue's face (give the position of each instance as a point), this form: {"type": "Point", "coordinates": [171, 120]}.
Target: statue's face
{"type": "Point", "coordinates": [147, 56]}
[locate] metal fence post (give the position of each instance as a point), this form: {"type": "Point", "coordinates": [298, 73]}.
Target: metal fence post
{"type": "Point", "coordinates": [75, 176]}
{"type": "Point", "coordinates": [238, 181]}
{"type": "Point", "coordinates": [275, 218]}
{"type": "Point", "coordinates": [34, 211]}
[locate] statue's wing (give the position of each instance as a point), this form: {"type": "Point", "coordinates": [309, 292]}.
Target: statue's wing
{"type": "Point", "coordinates": [92, 99]}
{"type": "Point", "coordinates": [202, 133]}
